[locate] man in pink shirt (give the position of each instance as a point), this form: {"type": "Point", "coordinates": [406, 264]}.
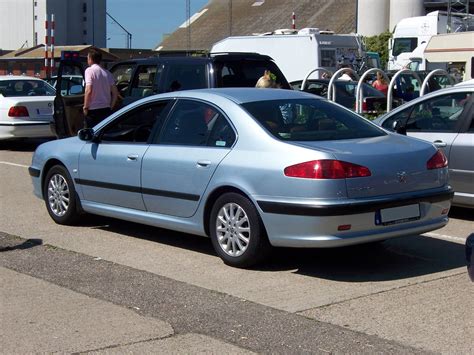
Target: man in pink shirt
{"type": "Point", "coordinates": [101, 93]}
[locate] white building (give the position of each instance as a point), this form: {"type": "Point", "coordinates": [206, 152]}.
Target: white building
{"type": "Point", "coordinates": [77, 22]}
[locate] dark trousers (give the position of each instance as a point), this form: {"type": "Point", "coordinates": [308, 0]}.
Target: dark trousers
{"type": "Point", "coordinates": [95, 116]}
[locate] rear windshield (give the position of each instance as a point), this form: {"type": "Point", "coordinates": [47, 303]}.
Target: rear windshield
{"type": "Point", "coordinates": [20, 87]}
{"type": "Point", "coordinates": [246, 72]}
{"type": "Point", "coordinates": [310, 120]}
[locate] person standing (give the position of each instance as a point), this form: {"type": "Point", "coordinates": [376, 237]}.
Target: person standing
{"type": "Point", "coordinates": [101, 94]}
{"type": "Point", "coordinates": [381, 84]}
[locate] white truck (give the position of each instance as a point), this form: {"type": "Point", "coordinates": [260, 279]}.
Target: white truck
{"type": "Point", "coordinates": [298, 52]}
{"type": "Point", "coordinates": [411, 36]}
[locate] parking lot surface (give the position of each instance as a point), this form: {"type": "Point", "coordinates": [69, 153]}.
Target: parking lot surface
{"type": "Point", "coordinates": [404, 295]}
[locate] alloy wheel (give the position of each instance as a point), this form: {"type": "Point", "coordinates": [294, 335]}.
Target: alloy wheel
{"type": "Point", "coordinates": [58, 195]}
{"type": "Point", "coordinates": [233, 229]}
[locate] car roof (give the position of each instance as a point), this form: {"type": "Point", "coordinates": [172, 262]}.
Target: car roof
{"type": "Point", "coordinates": [245, 95]}
{"type": "Point", "coordinates": [18, 77]}
{"type": "Point", "coordinates": [209, 58]}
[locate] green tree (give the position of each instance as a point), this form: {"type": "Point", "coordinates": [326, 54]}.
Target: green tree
{"type": "Point", "coordinates": [379, 44]}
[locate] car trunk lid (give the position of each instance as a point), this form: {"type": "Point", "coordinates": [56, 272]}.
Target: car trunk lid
{"type": "Point", "coordinates": [39, 107]}
{"type": "Point", "coordinates": [398, 164]}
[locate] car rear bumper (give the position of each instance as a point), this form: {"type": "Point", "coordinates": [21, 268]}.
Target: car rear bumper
{"type": "Point", "coordinates": [318, 225]}
{"type": "Point", "coordinates": [25, 129]}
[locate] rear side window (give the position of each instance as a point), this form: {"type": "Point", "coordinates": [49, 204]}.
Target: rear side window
{"type": "Point", "coordinates": [246, 72]}
{"type": "Point", "coordinates": [310, 120]}
{"type": "Point", "coordinates": [194, 123]}
{"type": "Point", "coordinates": [186, 76]}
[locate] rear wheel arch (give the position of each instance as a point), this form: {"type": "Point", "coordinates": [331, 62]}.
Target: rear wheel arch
{"type": "Point", "coordinates": [211, 200]}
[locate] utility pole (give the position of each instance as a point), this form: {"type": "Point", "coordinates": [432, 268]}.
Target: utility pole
{"type": "Point", "coordinates": [230, 17]}
{"type": "Point", "coordinates": [129, 35]}
{"type": "Point", "coordinates": [188, 25]}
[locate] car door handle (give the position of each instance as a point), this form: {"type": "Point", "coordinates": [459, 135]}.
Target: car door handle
{"type": "Point", "coordinates": [440, 144]}
{"type": "Point", "coordinates": [132, 157]}
{"type": "Point", "coordinates": [203, 163]}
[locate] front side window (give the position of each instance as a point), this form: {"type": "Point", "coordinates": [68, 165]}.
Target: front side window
{"type": "Point", "coordinates": [310, 120]}
{"type": "Point", "coordinates": [195, 123]}
{"type": "Point", "coordinates": [439, 114]}
{"type": "Point", "coordinates": [17, 88]}
{"type": "Point", "coordinates": [404, 45]}
{"type": "Point", "coordinates": [136, 126]}
{"type": "Point", "coordinates": [402, 116]}
{"type": "Point", "coordinates": [144, 81]}
{"type": "Point", "coordinates": [123, 76]}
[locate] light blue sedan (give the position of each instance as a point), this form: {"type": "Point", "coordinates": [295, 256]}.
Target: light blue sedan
{"type": "Point", "coordinates": [251, 168]}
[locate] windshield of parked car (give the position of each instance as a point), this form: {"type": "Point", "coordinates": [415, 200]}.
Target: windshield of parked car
{"type": "Point", "coordinates": [310, 120]}
{"type": "Point", "coordinates": [246, 72]}
{"type": "Point", "coordinates": [23, 87]}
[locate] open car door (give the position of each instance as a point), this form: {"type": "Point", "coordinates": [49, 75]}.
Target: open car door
{"type": "Point", "coordinates": [69, 100]}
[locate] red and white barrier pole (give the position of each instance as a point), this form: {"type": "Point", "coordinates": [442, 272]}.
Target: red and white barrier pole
{"type": "Point", "coordinates": [293, 21]}
{"type": "Point", "coordinates": [46, 62]}
{"type": "Point", "coordinates": [52, 44]}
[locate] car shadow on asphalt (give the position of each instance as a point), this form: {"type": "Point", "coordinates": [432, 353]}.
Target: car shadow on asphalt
{"type": "Point", "coordinates": [394, 259]}
{"type": "Point", "coordinates": [22, 145]}
{"type": "Point", "coordinates": [466, 214]}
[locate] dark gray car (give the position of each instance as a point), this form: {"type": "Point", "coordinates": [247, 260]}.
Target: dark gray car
{"type": "Point", "coordinates": [444, 117]}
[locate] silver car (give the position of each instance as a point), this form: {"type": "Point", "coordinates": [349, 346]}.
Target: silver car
{"type": "Point", "coordinates": [251, 168]}
{"type": "Point", "coordinates": [446, 118]}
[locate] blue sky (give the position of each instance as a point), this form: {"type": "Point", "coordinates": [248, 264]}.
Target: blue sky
{"type": "Point", "coordinates": [147, 20]}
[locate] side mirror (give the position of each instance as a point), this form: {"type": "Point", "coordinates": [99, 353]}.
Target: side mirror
{"type": "Point", "coordinates": [399, 127]}
{"type": "Point", "coordinates": [76, 90]}
{"type": "Point", "coordinates": [86, 134]}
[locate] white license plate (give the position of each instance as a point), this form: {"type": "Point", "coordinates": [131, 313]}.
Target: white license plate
{"type": "Point", "coordinates": [44, 111]}
{"type": "Point", "coordinates": [398, 214]}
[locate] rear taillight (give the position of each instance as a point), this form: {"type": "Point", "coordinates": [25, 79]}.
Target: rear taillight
{"type": "Point", "coordinates": [437, 161]}
{"type": "Point", "coordinates": [326, 169]}
{"type": "Point", "coordinates": [364, 106]}
{"type": "Point", "coordinates": [18, 111]}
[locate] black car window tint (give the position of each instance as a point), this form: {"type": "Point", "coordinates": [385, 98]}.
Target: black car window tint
{"type": "Point", "coordinates": [136, 126]}
{"type": "Point", "coordinates": [189, 124]}
{"type": "Point", "coordinates": [186, 76]}
{"type": "Point", "coordinates": [439, 114]}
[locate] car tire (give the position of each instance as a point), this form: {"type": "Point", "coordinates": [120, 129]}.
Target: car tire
{"type": "Point", "coordinates": [237, 231]}
{"type": "Point", "coordinates": [60, 196]}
